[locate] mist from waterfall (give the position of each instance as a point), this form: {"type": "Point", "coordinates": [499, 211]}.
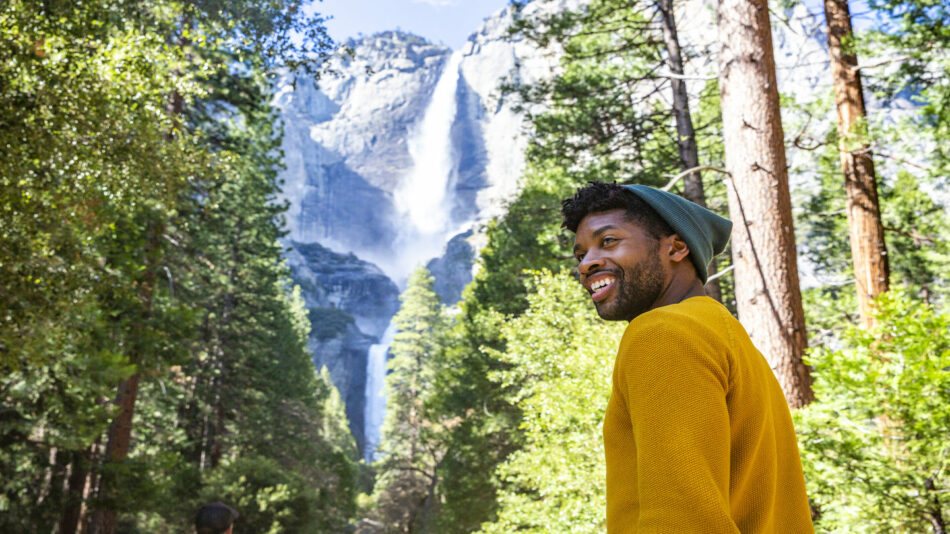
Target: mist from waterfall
{"type": "Point", "coordinates": [424, 200]}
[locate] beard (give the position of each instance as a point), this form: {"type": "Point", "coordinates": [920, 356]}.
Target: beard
{"type": "Point", "coordinates": [638, 288]}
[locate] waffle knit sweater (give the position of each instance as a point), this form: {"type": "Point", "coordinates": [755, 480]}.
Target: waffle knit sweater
{"type": "Point", "coordinates": [697, 433]}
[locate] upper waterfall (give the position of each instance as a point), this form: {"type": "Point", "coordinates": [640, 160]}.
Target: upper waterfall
{"type": "Point", "coordinates": [425, 197]}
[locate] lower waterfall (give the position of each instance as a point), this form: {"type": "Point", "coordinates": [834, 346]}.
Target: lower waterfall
{"type": "Point", "coordinates": [376, 392]}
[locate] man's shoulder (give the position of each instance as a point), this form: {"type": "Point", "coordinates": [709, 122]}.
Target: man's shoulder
{"type": "Point", "coordinates": [697, 326]}
{"type": "Point", "coordinates": [692, 316]}
{"type": "Point", "coordinates": [677, 340]}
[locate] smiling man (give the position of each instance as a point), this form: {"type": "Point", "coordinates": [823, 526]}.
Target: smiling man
{"type": "Point", "coordinates": [698, 436]}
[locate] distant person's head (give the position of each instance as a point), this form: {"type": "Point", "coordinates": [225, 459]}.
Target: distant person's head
{"type": "Point", "coordinates": [215, 518]}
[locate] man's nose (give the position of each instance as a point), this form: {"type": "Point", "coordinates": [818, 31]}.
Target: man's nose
{"type": "Point", "coordinates": [591, 263]}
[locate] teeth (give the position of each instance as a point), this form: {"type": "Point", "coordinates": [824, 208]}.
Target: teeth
{"type": "Point", "coordinates": [601, 283]}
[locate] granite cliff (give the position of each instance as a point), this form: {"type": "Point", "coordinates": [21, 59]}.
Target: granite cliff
{"type": "Point", "coordinates": [349, 303]}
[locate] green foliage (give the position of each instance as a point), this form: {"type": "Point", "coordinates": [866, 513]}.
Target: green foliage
{"type": "Point", "coordinates": [139, 235]}
{"type": "Point", "coordinates": [270, 498]}
{"type": "Point", "coordinates": [918, 30]}
{"type": "Point", "coordinates": [561, 357]}
{"type": "Point", "coordinates": [874, 444]}
{"type": "Point", "coordinates": [601, 118]}
{"type": "Point", "coordinates": [919, 257]}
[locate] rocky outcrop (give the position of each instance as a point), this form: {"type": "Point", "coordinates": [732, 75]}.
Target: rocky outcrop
{"type": "Point", "coordinates": [453, 270]}
{"type": "Point", "coordinates": [349, 302]}
{"type": "Point", "coordinates": [345, 142]}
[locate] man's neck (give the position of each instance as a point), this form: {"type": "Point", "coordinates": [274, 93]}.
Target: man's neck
{"type": "Point", "coordinates": [678, 290]}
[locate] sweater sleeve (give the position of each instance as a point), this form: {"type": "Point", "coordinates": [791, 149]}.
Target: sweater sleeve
{"type": "Point", "coordinates": [675, 385]}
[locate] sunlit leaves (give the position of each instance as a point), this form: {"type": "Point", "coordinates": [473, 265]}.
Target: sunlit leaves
{"type": "Point", "coordinates": [561, 357]}
{"type": "Point", "coordinates": [874, 444]}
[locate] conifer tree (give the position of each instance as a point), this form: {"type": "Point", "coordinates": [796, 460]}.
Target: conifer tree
{"type": "Point", "coordinates": [868, 249]}
{"type": "Point", "coordinates": [140, 248]}
{"type": "Point", "coordinates": [560, 355]}
{"type": "Point", "coordinates": [763, 239]}
{"type": "Point", "coordinates": [412, 446]}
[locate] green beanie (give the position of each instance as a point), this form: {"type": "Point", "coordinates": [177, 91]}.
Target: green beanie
{"type": "Point", "coordinates": [704, 232]}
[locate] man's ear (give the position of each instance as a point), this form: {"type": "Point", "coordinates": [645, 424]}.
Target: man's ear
{"type": "Point", "coordinates": [678, 249]}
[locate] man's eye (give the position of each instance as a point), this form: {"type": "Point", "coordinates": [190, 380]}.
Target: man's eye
{"type": "Point", "coordinates": [580, 258]}
{"type": "Point", "coordinates": [608, 240]}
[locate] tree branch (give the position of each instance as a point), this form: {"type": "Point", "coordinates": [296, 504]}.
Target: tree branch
{"type": "Point", "coordinates": [720, 273]}
{"type": "Point", "coordinates": [687, 172]}
{"type": "Point", "coordinates": [674, 76]}
{"type": "Point", "coordinates": [857, 68]}
{"type": "Point", "coordinates": [913, 235]}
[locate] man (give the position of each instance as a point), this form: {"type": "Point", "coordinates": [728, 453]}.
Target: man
{"type": "Point", "coordinates": [697, 434]}
{"type": "Point", "coordinates": [215, 518]}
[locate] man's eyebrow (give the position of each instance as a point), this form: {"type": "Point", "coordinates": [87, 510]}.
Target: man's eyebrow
{"type": "Point", "coordinates": [597, 233]}
{"type": "Point", "coordinates": [603, 229]}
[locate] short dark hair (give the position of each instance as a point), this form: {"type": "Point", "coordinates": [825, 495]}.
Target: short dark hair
{"type": "Point", "coordinates": [596, 197]}
{"type": "Point", "coordinates": [214, 518]}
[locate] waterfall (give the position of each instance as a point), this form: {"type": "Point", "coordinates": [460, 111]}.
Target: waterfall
{"type": "Point", "coordinates": [376, 392]}
{"type": "Point", "coordinates": [424, 199]}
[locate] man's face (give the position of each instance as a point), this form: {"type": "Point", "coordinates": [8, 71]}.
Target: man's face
{"type": "Point", "coordinates": [619, 265]}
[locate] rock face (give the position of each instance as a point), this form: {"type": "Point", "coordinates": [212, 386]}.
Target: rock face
{"type": "Point", "coordinates": [350, 303]}
{"type": "Point", "coordinates": [449, 271]}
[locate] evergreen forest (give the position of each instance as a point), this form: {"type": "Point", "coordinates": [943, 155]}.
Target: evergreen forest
{"type": "Point", "coordinates": [154, 349]}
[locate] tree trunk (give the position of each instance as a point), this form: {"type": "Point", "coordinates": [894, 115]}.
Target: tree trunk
{"type": "Point", "coordinates": [78, 473]}
{"type": "Point", "coordinates": [685, 134]}
{"type": "Point", "coordinates": [868, 250]}
{"type": "Point", "coordinates": [935, 513]}
{"type": "Point", "coordinates": [763, 239]}
{"type": "Point", "coordinates": [56, 474]}
{"type": "Point", "coordinates": [117, 449]}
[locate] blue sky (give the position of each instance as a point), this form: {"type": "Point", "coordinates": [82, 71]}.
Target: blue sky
{"type": "Point", "coordinates": [446, 21]}
{"type": "Point", "coordinates": [451, 21]}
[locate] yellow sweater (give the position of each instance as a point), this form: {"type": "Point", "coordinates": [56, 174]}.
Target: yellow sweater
{"type": "Point", "coordinates": [697, 434]}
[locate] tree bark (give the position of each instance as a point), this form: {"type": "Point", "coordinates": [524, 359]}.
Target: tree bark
{"type": "Point", "coordinates": [763, 239]}
{"type": "Point", "coordinates": [685, 133]}
{"type": "Point", "coordinates": [935, 513]}
{"type": "Point", "coordinates": [868, 249]}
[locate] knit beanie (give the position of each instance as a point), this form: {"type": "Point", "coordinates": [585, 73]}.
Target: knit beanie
{"type": "Point", "coordinates": [704, 232]}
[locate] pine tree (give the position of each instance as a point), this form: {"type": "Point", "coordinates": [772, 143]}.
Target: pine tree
{"type": "Point", "coordinates": [412, 444]}
{"type": "Point", "coordinates": [868, 249]}
{"type": "Point", "coordinates": [140, 249]}
{"type": "Point", "coordinates": [560, 356]}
